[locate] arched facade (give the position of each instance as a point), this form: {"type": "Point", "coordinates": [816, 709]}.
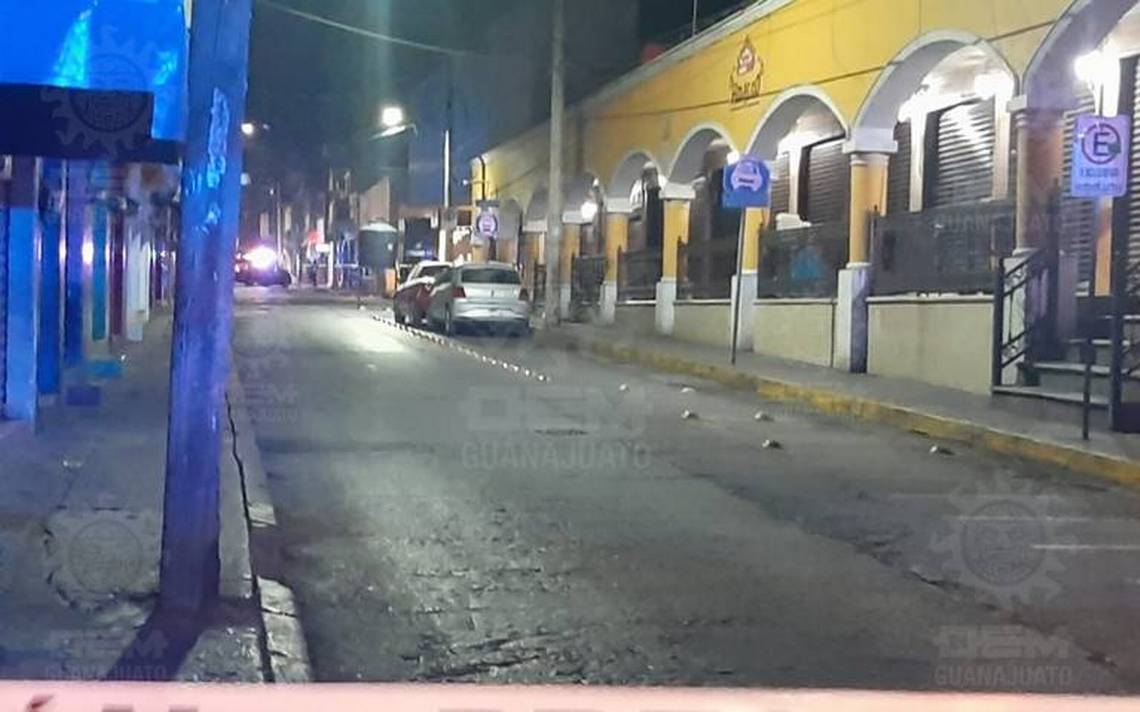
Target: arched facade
{"type": "Point", "coordinates": [947, 114]}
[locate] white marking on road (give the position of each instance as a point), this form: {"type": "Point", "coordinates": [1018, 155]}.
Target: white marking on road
{"type": "Point", "coordinates": [1087, 547]}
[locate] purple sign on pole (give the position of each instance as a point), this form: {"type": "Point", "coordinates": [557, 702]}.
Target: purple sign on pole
{"type": "Point", "coordinates": [1100, 156]}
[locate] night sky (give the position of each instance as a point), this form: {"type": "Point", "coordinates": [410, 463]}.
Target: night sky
{"type": "Point", "coordinates": [319, 87]}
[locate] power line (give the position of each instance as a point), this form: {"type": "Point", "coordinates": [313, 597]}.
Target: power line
{"type": "Point", "coordinates": [371, 34]}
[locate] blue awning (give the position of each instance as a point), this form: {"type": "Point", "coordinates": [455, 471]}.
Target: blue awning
{"type": "Point", "coordinates": [109, 45]}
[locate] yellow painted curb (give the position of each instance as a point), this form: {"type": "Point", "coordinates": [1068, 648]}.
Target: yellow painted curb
{"type": "Point", "coordinates": [1120, 470]}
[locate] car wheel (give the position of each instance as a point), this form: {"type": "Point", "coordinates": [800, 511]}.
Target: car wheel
{"type": "Point", "coordinates": [398, 315]}
{"type": "Point", "coordinates": [417, 318]}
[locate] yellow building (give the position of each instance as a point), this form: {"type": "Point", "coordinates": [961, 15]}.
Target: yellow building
{"type": "Point", "coordinates": [921, 151]}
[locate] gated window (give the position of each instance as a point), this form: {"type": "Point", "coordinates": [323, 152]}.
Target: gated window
{"type": "Point", "coordinates": [898, 173]}
{"type": "Point", "coordinates": [725, 221]}
{"type": "Point", "coordinates": [1130, 90]}
{"type": "Point", "coordinates": [825, 182]}
{"type": "Point", "coordinates": [700, 212]}
{"type": "Point", "coordinates": [654, 219]}
{"type": "Point", "coordinates": [960, 154]}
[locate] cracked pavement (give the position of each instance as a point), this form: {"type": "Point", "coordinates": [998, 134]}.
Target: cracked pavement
{"type": "Point", "coordinates": [443, 516]}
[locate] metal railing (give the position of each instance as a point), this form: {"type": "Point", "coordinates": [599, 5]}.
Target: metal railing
{"type": "Point", "coordinates": [804, 262]}
{"type": "Point", "coordinates": [1026, 302]}
{"type": "Point", "coordinates": [954, 249]}
{"type": "Point", "coordinates": [586, 277]}
{"type": "Point", "coordinates": [639, 272]}
{"type": "Point", "coordinates": [705, 269]}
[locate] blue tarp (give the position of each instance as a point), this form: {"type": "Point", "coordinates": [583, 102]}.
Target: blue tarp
{"type": "Point", "coordinates": [123, 45]}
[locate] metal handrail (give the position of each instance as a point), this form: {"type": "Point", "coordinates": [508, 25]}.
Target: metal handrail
{"type": "Point", "coordinates": [1036, 339]}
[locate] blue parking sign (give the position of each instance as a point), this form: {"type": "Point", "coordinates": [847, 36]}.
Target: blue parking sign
{"type": "Point", "coordinates": [1100, 156]}
{"type": "Point", "coordinates": [747, 184]}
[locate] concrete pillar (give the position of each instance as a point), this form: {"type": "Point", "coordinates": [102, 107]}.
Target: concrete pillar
{"type": "Point", "coordinates": [50, 352]}
{"type": "Point", "coordinates": [617, 241]}
{"type": "Point", "coordinates": [571, 237]}
{"type": "Point", "coordinates": [1040, 160]}
{"type": "Point", "coordinates": [1103, 249]}
{"type": "Point", "coordinates": [868, 198]}
{"type": "Point", "coordinates": [755, 219]}
{"type": "Point", "coordinates": [22, 323]}
{"type": "Point", "coordinates": [136, 303]}
{"type": "Point", "coordinates": [1040, 165]}
{"type": "Point", "coordinates": [676, 233]}
{"type": "Point", "coordinates": [76, 271]}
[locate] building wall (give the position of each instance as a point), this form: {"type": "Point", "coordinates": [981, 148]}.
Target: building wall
{"type": "Point", "coordinates": [796, 329]}
{"type": "Point", "coordinates": [945, 341]}
{"type": "Point", "coordinates": [656, 108]}
{"type": "Point", "coordinates": [704, 322]}
{"type": "Point", "coordinates": [635, 319]}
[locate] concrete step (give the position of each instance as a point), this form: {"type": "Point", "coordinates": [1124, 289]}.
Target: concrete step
{"type": "Point", "coordinates": [1071, 400]}
{"type": "Point", "coordinates": [1069, 377]}
{"type": "Point", "coordinates": [1103, 349]}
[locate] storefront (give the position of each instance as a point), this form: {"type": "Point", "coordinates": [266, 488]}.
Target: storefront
{"type": "Point", "coordinates": [910, 165]}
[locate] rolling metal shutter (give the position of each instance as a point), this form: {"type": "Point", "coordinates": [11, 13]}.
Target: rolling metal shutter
{"type": "Point", "coordinates": [898, 174]}
{"type": "Point", "coordinates": [826, 183]}
{"type": "Point", "coordinates": [1078, 215]}
{"type": "Point", "coordinates": [1132, 78]}
{"type": "Point", "coordinates": [3, 293]}
{"type": "Point", "coordinates": [781, 185]}
{"type": "Point", "coordinates": [963, 166]}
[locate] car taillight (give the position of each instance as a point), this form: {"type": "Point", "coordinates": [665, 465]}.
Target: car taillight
{"type": "Point", "coordinates": [459, 292]}
{"type": "Point", "coordinates": [523, 296]}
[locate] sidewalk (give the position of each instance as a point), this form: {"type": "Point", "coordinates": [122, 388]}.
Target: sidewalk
{"type": "Point", "coordinates": [1000, 425]}
{"type": "Point", "coordinates": [80, 529]}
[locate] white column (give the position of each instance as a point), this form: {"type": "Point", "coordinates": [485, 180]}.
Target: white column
{"type": "Point", "coordinates": [677, 201]}
{"type": "Point", "coordinates": [617, 240]}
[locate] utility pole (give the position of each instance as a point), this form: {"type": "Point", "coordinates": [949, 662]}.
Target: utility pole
{"type": "Point", "coordinates": [444, 223]}
{"type": "Point", "coordinates": [550, 315]}
{"type": "Point", "coordinates": [203, 311]}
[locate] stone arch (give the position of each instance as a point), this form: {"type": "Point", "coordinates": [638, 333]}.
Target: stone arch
{"type": "Point", "coordinates": [628, 172]}
{"type": "Point", "coordinates": [536, 208]}
{"type": "Point", "coordinates": [903, 77]}
{"type": "Point", "coordinates": [782, 115]}
{"type": "Point", "coordinates": [1050, 81]}
{"type": "Point", "coordinates": [690, 158]}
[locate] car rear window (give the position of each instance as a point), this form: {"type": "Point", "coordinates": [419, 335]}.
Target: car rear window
{"type": "Point", "coordinates": [490, 275]}
{"type": "Point", "coordinates": [432, 271]}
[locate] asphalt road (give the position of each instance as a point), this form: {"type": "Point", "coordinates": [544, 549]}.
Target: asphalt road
{"type": "Point", "coordinates": [545, 517]}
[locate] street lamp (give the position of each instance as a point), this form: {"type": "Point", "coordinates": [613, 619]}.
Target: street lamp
{"type": "Point", "coordinates": [589, 210]}
{"type": "Point", "coordinates": [392, 117]}
{"type": "Point", "coordinates": [1098, 69]}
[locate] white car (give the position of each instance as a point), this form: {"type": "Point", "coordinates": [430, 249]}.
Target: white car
{"type": "Point", "coordinates": [488, 295]}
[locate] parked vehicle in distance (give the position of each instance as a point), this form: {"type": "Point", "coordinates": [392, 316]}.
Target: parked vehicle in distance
{"type": "Point", "coordinates": [488, 295]}
{"type": "Point", "coordinates": [261, 267]}
{"type": "Point", "coordinates": [414, 293]}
